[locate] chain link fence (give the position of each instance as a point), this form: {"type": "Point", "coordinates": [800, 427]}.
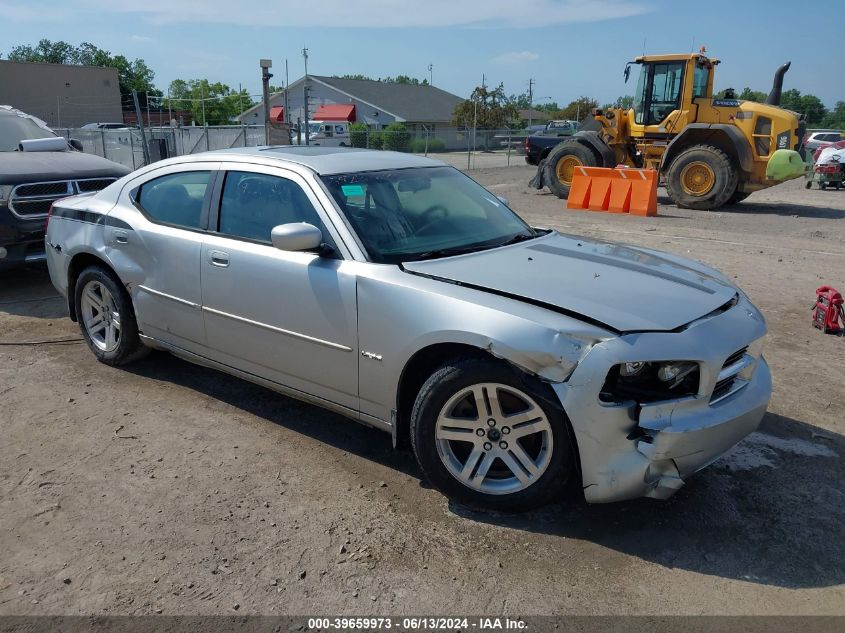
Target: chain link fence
{"type": "Point", "coordinates": [126, 146]}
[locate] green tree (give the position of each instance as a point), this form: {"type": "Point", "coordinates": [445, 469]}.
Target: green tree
{"type": "Point", "coordinates": [211, 103]}
{"type": "Point", "coordinates": [626, 102]}
{"type": "Point", "coordinates": [577, 110]}
{"type": "Point", "coordinates": [748, 94]}
{"type": "Point", "coordinates": [487, 109]}
{"type": "Point", "coordinates": [397, 137]}
{"type": "Point", "coordinates": [835, 119]}
{"type": "Point", "coordinates": [808, 105]}
{"type": "Point", "coordinates": [132, 75]}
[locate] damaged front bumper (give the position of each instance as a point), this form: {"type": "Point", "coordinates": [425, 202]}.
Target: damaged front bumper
{"type": "Point", "coordinates": [630, 450]}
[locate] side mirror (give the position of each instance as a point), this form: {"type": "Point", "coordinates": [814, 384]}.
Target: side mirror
{"type": "Point", "coordinates": [76, 144]}
{"type": "Point", "coordinates": [296, 236]}
{"type": "Point", "coordinates": [504, 201]}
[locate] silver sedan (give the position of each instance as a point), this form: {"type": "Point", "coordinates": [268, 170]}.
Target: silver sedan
{"type": "Point", "coordinates": [397, 291]}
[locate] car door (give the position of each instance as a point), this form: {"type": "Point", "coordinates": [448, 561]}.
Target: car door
{"type": "Point", "coordinates": [166, 243]}
{"type": "Point", "coordinates": [289, 317]}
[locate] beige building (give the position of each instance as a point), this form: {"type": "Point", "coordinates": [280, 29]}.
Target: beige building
{"type": "Point", "coordinates": [62, 95]}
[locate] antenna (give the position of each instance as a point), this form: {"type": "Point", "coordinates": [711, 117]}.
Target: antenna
{"type": "Point", "coordinates": [430, 74]}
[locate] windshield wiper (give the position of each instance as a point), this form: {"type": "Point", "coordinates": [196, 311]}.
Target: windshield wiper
{"type": "Point", "coordinates": [449, 252]}
{"type": "Point", "coordinates": [516, 239]}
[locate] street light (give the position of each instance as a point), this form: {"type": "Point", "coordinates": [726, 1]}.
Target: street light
{"type": "Point", "coordinates": [266, 75]}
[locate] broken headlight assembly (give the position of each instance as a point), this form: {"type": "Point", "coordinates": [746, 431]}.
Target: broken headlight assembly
{"type": "Point", "coordinates": [650, 381]}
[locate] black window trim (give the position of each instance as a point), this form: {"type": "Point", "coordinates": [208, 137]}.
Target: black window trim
{"type": "Point", "coordinates": [214, 176]}
{"type": "Point", "coordinates": [650, 87]}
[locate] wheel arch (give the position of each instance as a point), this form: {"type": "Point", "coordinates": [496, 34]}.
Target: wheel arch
{"type": "Point", "coordinates": [727, 138]}
{"type": "Point", "coordinates": [591, 139]}
{"type": "Point", "coordinates": [79, 262]}
{"type": "Point", "coordinates": [418, 368]}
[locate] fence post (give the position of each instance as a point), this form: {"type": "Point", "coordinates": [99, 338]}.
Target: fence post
{"type": "Point", "coordinates": [509, 147]}
{"type": "Point", "coordinates": [425, 127]}
{"type": "Point", "coordinates": [132, 148]}
{"type": "Point", "coordinates": [207, 140]}
{"type": "Point", "coordinates": [103, 141]}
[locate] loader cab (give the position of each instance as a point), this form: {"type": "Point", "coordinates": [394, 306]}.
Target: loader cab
{"type": "Point", "coordinates": [666, 93]}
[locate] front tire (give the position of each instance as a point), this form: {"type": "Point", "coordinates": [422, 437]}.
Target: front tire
{"type": "Point", "coordinates": [486, 435]}
{"type": "Point", "coordinates": [561, 164]}
{"type": "Point", "coordinates": [106, 317]}
{"type": "Point", "coordinates": [701, 177]}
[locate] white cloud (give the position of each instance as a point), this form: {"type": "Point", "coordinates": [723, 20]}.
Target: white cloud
{"type": "Point", "coordinates": [515, 57]}
{"type": "Point", "coordinates": [371, 13]}
{"type": "Point", "coordinates": [141, 38]}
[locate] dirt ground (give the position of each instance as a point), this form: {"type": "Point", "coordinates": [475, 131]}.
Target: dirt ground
{"type": "Point", "coordinates": [169, 488]}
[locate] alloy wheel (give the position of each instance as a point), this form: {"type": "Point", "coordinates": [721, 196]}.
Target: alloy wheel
{"type": "Point", "coordinates": [494, 438]}
{"type": "Point", "coordinates": [100, 316]}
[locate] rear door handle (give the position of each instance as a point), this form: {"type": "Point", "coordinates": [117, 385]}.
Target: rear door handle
{"type": "Point", "coordinates": [218, 258]}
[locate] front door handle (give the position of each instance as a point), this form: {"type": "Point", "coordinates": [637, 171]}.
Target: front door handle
{"type": "Point", "coordinates": [121, 237]}
{"type": "Point", "coordinates": [218, 258]}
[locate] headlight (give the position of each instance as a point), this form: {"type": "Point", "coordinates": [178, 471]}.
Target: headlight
{"type": "Point", "coordinates": [5, 192]}
{"type": "Point", "coordinates": [651, 381]}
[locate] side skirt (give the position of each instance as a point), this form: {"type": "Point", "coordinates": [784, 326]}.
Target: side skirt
{"type": "Point", "coordinates": [191, 357]}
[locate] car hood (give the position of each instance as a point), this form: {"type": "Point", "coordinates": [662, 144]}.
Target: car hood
{"type": "Point", "coordinates": [621, 287]}
{"type": "Point", "coordinates": [18, 167]}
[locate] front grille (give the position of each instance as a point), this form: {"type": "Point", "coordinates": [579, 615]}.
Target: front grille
{"type": "Point", "coordinates": [94, 184]}
{"type": "Point", "coordinates": [724, 386]}
{"type": "Point", "coordinates": [735, 357]}
{"type": "Point", "coordinates": [33, 199]}
{"type": "Point", "coordinates": [62, 188]}
{"type": "Point", "coordinates": [33, 207]}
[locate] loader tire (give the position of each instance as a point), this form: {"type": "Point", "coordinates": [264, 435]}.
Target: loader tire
{"type": "Point", "coordinates": [738, 196]}
{"type": "Point", "coordinates": [561, 163]}
{"type": "Point", "coordinates": [701, 177]}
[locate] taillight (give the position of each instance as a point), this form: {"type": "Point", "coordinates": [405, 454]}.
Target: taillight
{"type": "Point", "coordinates": [527, 144]}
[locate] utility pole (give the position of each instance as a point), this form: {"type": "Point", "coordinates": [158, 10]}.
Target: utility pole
{"type": "Point", "coordinates": [305, 94]}
{"type": "Point", "coordinates": [530, 100]}
{"type": "Point", "coordinates": [202, 101]}
{"type": "Point", "coordinates": [140, 118]}
{"type": "Point", "coordinates": [431, 74]}
{"type": "Point", "coordinates": [287, 83]}
{"type": "Point", "coordinates": [266, 65]}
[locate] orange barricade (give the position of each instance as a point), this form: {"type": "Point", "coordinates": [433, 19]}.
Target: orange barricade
{"type": "Point", "coordinates": [616, 190]}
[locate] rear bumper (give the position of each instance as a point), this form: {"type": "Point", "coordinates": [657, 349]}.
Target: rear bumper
{"type": "Point", "coordinates": [627, 450]}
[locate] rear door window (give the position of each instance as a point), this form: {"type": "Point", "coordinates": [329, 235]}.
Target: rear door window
{"type": "Point", "coordinates": [175, 199]}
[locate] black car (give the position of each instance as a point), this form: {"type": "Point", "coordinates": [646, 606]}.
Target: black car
{"type": "Point", "coordinates": [36, 169]}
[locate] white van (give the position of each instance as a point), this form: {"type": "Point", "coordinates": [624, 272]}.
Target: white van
{"type": "Point", "coordinates": [328, 133]}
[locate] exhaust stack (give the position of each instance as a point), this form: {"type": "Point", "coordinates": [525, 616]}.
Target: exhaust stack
{"type": "Point", "coordinates": [777, 85]}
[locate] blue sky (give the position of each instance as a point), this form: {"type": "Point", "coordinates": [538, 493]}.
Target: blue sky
{"type": "Point", "coordinates": [570, 47]}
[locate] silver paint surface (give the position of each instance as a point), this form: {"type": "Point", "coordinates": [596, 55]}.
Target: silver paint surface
{"type": "Point", "coordinates": [340, 332]}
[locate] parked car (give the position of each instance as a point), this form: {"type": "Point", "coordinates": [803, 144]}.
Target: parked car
{"type": "Point", "coordinates": [814, 139]}
{"type": "Point", "coordinates": [395, 290]}
{"type": "Point", "coordinates": [36, 168]}
{"type": "Point", "coordinates": [106, 126]}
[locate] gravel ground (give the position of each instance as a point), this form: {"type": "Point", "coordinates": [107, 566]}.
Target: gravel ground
{"type": "Point", "coordinates": [165, 487]}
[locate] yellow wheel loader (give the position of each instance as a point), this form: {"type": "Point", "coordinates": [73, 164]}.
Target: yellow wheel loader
{"type": "Point", "coordinates": [709, 152]}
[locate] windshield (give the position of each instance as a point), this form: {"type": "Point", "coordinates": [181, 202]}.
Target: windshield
{"type": "Point", "coordinates": [14, 129]}
{"type": "Point", "coordinates": [423, 213]}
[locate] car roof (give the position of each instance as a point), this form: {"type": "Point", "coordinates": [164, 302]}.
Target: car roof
{"type": "Point", "coordinates": [324, 160]}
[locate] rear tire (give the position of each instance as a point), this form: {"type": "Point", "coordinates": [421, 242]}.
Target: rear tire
{"type": "Point", "coordinates": [486, 436]}
{"type": "Point", "coordinates": [701, 177]}
{"type": "Point", "coordinates": [107, 318]}
{"type": "Point", "coordinates": [562, 161]}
